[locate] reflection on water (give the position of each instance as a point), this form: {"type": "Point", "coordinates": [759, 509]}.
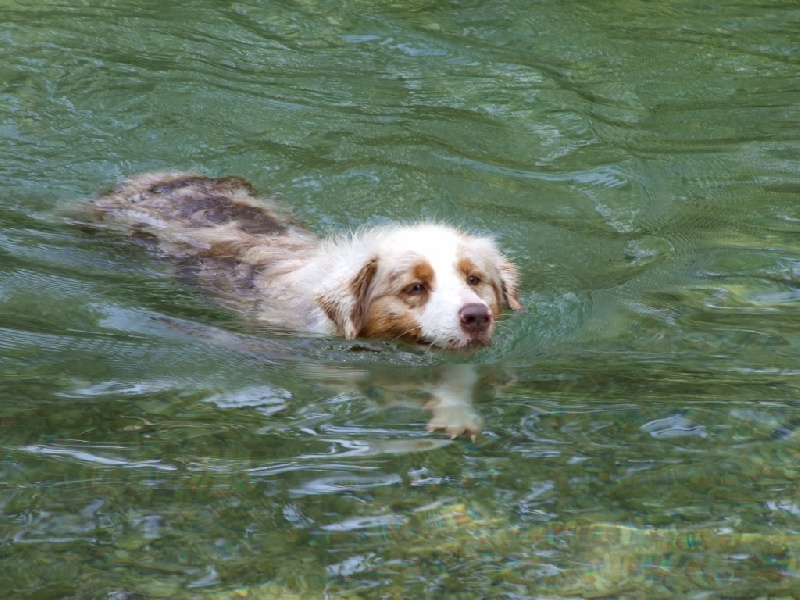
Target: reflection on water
{"type": "Point", "coordinates": [638, 423]}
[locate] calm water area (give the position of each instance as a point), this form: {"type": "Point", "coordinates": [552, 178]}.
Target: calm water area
{"type": "Point", "coordinates": [640, 161]}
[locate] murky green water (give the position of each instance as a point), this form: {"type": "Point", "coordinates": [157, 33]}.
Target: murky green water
{"type": "Point", "coordinates": [640, 161]}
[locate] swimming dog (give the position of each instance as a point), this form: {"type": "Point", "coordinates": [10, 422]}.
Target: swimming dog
{"type": "Point", "coordinates": [424, 283]}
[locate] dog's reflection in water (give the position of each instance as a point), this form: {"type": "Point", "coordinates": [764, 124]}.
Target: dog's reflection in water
{"type": "Point", "coordinates": [448, 392]}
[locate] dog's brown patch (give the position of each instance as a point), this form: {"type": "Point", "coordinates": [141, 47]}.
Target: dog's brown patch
{"type": "Point", "coordinates": [249, 219]}
{"type": "Point", "coordinates": [328, 306]}
{"type": "Point", "coordinates": [423, 272]}
{"type": "Point", "coordinates": [394, 310]}
{"type": "Point", "coordinates": [207, 202]}
{"type": "Point", "coordinates": [420, 273]}
{"type": "Point", "coordinates": [389, 317]}
{"type": "Point", "coordinates": [225, 249]}
{"type": "Point", "coordinates": [466, 267]}
{"type": "Point", "coordinates": [359, 287]}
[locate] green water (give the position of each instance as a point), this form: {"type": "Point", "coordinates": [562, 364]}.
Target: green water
{"type": "Point", "coordinates": [639, 160]}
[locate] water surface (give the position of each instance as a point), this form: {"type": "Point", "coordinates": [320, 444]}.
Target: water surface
{"type": "Point", "coordinates": [638, 160]}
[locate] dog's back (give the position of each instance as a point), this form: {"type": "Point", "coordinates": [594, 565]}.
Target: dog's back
{"type": "Point", "coordinates": [170, 201]}
{"type": "Point", "coordinates": [219, 229]}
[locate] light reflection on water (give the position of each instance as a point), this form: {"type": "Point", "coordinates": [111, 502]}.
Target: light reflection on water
{"type": "Point", "coordinates": [638, 161]}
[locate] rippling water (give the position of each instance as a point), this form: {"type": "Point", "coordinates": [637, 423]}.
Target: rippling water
{"type": "Point", "coordinates": [639, 161]}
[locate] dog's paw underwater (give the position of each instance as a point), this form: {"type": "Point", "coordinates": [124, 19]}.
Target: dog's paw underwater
{"type": "Point", "coordinates": [424, 283]}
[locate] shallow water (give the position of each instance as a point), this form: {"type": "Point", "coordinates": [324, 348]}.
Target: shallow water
{"type": "Point", "coordinates": [638, 160]}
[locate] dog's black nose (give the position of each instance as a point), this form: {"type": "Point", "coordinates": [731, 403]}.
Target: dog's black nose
{"type": "Point", "coordinates": [475, 318]}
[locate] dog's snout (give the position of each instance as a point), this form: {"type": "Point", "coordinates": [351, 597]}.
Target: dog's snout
{"type": "Point", "coordinates": [475, 318]}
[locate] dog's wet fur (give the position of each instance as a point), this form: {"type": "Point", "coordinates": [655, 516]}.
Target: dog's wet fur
{"type": "Point", "coordinates": [422, 283]}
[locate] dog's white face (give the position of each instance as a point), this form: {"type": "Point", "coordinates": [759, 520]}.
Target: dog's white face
{"type": "Point", "coordinates": [426, 284]}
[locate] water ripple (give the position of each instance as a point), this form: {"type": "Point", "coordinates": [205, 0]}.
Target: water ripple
{"type": "Point", "coordinates": [345, 482]}
{"type": "Point", "coordinates": [84, 456]}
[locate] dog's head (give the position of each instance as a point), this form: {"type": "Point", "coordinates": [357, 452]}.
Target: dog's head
{"type": "Point", "coordinates": [426, 284]}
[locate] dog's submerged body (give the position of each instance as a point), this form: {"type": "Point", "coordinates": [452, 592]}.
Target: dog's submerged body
{"type": "Point", "coordinates": [423, 283]}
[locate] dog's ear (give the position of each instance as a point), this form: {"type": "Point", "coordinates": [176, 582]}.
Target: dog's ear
{"type": "Point", "coordinates": [509, 279]}
{"type": "Point", "coordinates": [345, 298]}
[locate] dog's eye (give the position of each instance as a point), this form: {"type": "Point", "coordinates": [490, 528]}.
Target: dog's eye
{"type": "Point", "coordinates": [415, 289]}
{"type": "Point", "coordinates": [473, 280]}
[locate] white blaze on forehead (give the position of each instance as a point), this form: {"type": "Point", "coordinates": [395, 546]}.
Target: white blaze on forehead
{"type": "Point", "coordinates": [441, 248]}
